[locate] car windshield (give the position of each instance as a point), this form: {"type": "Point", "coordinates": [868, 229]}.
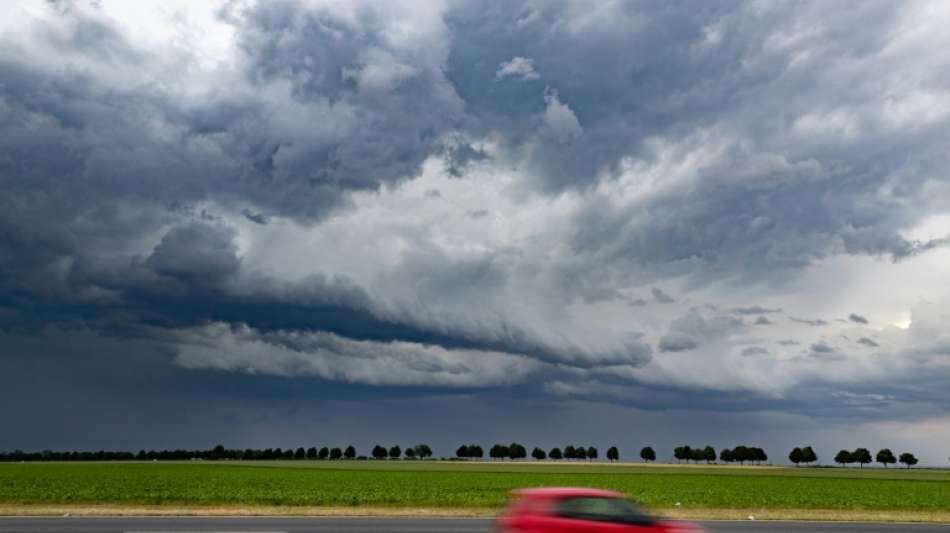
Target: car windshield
{"type": "Point", "coordinates": [601, 510]}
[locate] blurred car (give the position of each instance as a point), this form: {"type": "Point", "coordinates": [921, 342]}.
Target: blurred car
{"type": "Point", "coordinates": [576, 510]}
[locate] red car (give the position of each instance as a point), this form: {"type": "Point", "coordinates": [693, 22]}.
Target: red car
{"type": "Point", "coordinates": [568, 510]}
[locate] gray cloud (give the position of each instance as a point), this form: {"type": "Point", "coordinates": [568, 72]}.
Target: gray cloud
{"type": "Point", "coordinates": [857, 319]}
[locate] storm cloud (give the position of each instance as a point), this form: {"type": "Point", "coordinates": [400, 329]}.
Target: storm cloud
{"type": "Point", "coordinates": [615, 207]}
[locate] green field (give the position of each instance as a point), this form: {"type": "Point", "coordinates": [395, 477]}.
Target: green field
{"type": "Point", "coordinates": [459, 485]}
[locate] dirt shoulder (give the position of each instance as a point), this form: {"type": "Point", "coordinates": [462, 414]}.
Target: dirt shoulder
{"type": "Point", "coordinates": [437, 512]}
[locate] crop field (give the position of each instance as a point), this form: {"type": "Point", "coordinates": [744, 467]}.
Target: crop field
{"type": "Point", "coordinates": [461, 485]}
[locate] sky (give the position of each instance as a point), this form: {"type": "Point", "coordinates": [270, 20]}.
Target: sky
{"type": "Point", "coordinates": [300, 222]}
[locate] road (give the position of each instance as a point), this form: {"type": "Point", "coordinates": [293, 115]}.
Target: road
{"type": "Point", "coordinates": [385, 525]}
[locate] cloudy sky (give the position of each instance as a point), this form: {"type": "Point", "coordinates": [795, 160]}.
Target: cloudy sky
{"type": "Point", "coordinates": [304, 222]}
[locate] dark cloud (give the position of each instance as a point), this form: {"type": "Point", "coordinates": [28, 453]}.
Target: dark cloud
{"type": "Point", "coordinates": [754, 351]}
{"type": "Point", "coordinates": [756, 310]}
{"type": "Point", "coordinates": [868, 342]}
{"type": "Point", "coordinates": [810, 321]}
{"type": "Point", "coordinates": [676, 342]}
{"type": "Point", "coordinates": [857, 319]}
{"type": "Point", "coordinates": [660, 296]}
{"type": "Point", "coordinates": [763, 321]}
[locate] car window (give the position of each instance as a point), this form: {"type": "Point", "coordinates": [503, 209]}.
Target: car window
{"type": "Point", "coordinates": [598, 509]}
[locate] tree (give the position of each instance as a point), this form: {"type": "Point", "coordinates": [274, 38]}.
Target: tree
{"type": "Point", "coordinates": [908, 459]}
{"type": "Point", "coordinates": [555, 454]}
{"type": "Point", "coordinates": [288, 454]}
{"type": "Point", "coordinates": [613, 454]}
{"type": "Point", "coordinates": [217, 452]}
{"type": "Point", "coordinates": [758, 455]}
{"type": "Point", "coordinates": [462, 452]}
{"type": "Point", "coordinates": [885, 457]}
{"type": "Point", "coordinates": [709, 454]}
{"type": "Point", "coordinates": [498, 451]}
{"type": "Point", "coordinates": [538, 454]}
{"type": "Point", "coordinates": [843, 457]}
{"type": "Point", "coordinates": [796, 456]}
{"type": "Point", "coordinates": [423, 451]}
{"type": "Point", "coordinates": [350, 452]}
{"type": "Point", "coordinates": [475, 451]}
{"type": "Point", "coordinates": [580, 452]}
{"type": "Point", "coordinates": [395, 452]}
{"type": "Point", "coordinates": [570, 452]}
{"type": "Point", "coordinates": [697, 454]}
{"type": "Point", "coordinates": [379, 452]}
{"type": "Point", "coordinates": [300, 453]}
{"type": "Point", "coordinates": [647, 454]}
{"type": "Point", "coordinates": [410, 452]}
{"type": "Point", "coordinates": [679, 453]}
{"type": "Point", "coordinates": [808, 455]}
{"type": "Point", "coordinates": [727, 456]}
{"type": "Point", "coordinates": [312, 452]}
{"type": "Point", "coordinates": [741, 454]}
{"type": "Point", "coordinates": [862, 456]}
{"type": "Point", "coordinates": [517, 451]}
{"type": "Point", "coordinates": [324, 453]}
{"type": "Point", "coordinates": [336, 453]}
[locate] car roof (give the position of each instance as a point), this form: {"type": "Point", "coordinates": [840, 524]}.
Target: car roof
{"type": "Point", "coordinates": [565, 492]}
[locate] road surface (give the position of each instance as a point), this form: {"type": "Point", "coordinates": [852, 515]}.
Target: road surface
{"type": "Point", "coordinates": [386, 525]}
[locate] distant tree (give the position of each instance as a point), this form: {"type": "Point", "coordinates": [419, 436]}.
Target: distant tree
{"type": "Point", "coordinates": [885, 457]}
{"type": "Point", "coordinates": [336, 453]}
{"type": "Point", "coordinates": [410, 452]}
{"type": "Point", "coordinates": [727, 456]}
{"type": "Point", "coordinates": [312, 452]}
{"type": "Point", "coordinates": [709, 454]}
{"type": "Point", "coordinates": [570, 452]}
{"type": "Point", "coordinates": [908, 459]}
{"type": "Point", "coordinates": [475, 451]}
{"type": "Point", "coordinates": [517, 451]}
{"type": "Point", "coordinates": [808, 455]}
{"type": "Point", "coordinates": [555, 454]}
{"type": "Point", "coordinates": [379, 452]}
{"type": "Point", "coordinates": [324, 453]}
{"type": "Point", "coordinates": [861, 456]}
{"type": "Point", "coordinates": [141, 456]}
{"type": "Point", "coordinates": [697, 454]}
{"type": "Point", "coordinates": [613, 454]}
{"type": "Point", "coordinates": [498, 451]}
{"type": "Point", "coordinates": [217, 452]}
{"type": "Point", "coordinates": [462, 452]}
{"type": "Point", "coordinates": [580, 452]}
{"type": "Point", "coordinates": [758, 455]}
{"type": "Point", "coordinates": [647, 454]}
{"type": "Point", "coordinates": [423, 451]}
{"type": "Point", "coordinates": [395, 452]}
{"type": "Point", "coordinates": [592, 453]}
{"type": "Point", "coordinates": [288, 454]}
{"type": "Point", "coordinates": [678, 453]}
{"type": "Point", "coordinates": [796, 456]}
{"type": "Point", "coordinates": [538, 454]}
{"type": "Point", "coordinates": [300, 454]}
{"type": "Point", "coordinates": [843, 457]}
{"type": "Point", "coordinates": [350, 452]}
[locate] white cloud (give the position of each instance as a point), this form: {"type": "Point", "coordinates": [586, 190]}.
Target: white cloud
{"type": "Point", "coordinates": [518, 67]}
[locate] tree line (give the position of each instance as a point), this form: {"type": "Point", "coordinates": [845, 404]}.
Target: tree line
{"type": "Point", "coordinates": [739, 454]}
{"type": "Point", "coordinates": [885, 456]}
{"type": "Point", "coordinates": [514, 451]}
{"type": "Point", "coordinates": [219, 452]}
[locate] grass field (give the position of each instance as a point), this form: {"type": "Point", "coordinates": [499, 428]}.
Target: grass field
{"type": "Point", "coordinates": [478, 486]}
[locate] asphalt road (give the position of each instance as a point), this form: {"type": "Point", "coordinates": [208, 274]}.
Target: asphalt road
{"type": "Point", "coordinates": [385, 525]}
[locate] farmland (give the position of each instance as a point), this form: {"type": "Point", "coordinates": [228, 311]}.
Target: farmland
{"type": "Point", "coordinates": [474, 486]}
